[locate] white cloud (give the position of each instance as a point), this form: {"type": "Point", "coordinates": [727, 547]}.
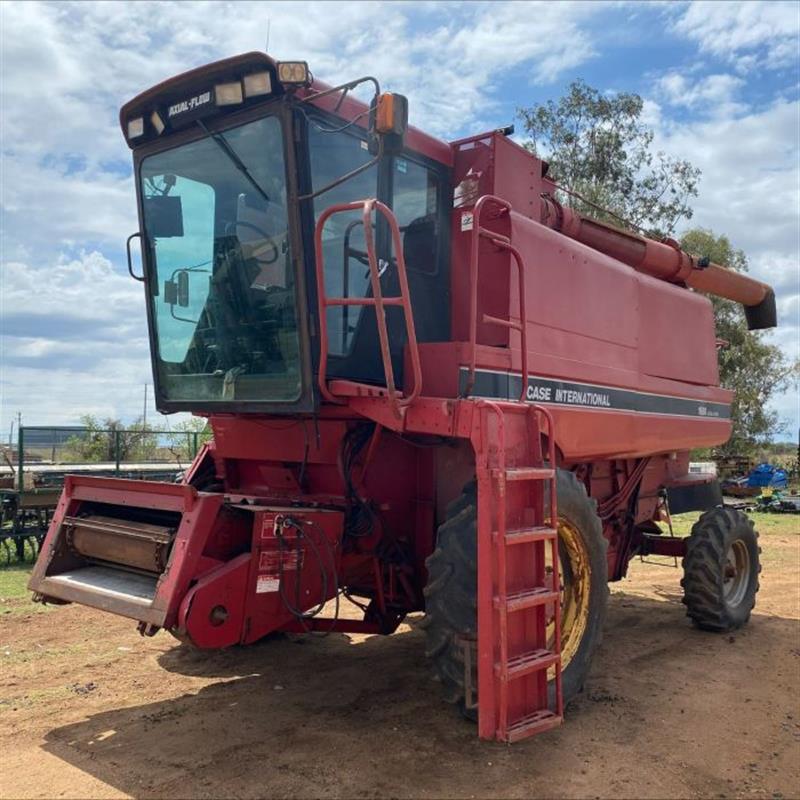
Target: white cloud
{"type": "Point", "coordinates": [750, 191]}
{"type": "Point", "coordinates": [751, 173]}
{"type": "Point", "coordinates": [747, 34]}
{"type": "Point", "coordinates": [73, 340]}
{"type": "Point", "coordinates": [709, 95]}
{"type": "Point", "coordinates": [76, 321]}
{"type": "Point", "coordinates": [41, 204]}
{"type": "Point", "coordinates": [60, 288]}
{"type": "Point", "coordinates": [87, 59]}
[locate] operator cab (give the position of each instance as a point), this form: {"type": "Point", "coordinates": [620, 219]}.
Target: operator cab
{"type": "Point", "coordinates": [234, 167]}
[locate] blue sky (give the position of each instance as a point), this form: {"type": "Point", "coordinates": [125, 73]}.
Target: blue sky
{"type": "Point", "coordinates": [720, 83]}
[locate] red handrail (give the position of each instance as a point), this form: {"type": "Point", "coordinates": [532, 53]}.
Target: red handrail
{"type": "Point", "coordinates": [504, 243]}
{"type": "Point", "coordinates": [378, 301]}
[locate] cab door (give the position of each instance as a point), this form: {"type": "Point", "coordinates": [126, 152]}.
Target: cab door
{"type": "Point", "coordinates": [418, 192]}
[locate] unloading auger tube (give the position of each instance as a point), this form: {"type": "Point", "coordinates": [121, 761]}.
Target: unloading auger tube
{"type": "Point", "coordinates": [666, 260]}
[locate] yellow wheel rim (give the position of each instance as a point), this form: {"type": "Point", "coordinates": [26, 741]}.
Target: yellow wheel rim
{"type": "Point", "coordinates": [574, 574]}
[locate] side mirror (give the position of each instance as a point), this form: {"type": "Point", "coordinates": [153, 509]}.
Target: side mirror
{"type": "Point", "coordinates": [388, 123]}
{"type": "Point", "coordinates": [177, 292]}
{"type": "Point", "coordinates": [183, 288]}
{"type": "Point", "coordinates": [163, 216]}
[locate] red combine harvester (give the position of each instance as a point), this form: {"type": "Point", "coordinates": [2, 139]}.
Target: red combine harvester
{"type": "Point", "coordinates": [431, 386]}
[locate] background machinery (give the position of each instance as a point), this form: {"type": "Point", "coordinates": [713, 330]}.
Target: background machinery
{"type": "Point", "coordinates": [432, 387]}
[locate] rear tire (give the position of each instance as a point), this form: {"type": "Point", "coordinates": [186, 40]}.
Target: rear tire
{"type": "Point", "coordinates": [721, 569]}
{"type": "Point", "coordinates": [451, 606]}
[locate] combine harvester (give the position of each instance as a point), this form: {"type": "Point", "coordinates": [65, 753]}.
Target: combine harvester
{"type": "Point", "coordinates": [432, 388]}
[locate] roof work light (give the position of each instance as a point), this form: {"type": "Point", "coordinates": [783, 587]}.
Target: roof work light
{"type": "Point", "coordinates": [135, 128]}
{"type": "Point", "coordinates": [294, 73]}
{"type": "Point", "coordinates": [244, 82]}
{"type": "Point", "coordinates": [228, 94]}
{"type": "Point", "coordinates": [158, 123]}
{"type": "Point", "coordinates": [257, 84]}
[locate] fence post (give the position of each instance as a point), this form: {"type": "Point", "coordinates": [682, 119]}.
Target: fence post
{"type": "Point", "coordinates": [116, 450]}
{"type": "Point", "coordinates": [194, 445]}
{"type": "Point", "coordinates": [20, 459]}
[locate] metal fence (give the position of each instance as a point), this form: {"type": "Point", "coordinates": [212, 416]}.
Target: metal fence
{"type": "Point", "coordinates": [32, 472]}
{"type": "Point", "coordinates": [43, 455]}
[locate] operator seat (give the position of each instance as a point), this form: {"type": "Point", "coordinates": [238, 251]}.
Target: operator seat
{"type": "Point", "coordinates": [419, 245]}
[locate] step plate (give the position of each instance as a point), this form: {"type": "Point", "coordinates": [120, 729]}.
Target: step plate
{"type": "Point", "coordinates": [518, 601]}
{"type": "Point", "coordinates": [108, 582]}
{"type": "Point", "coordinates": [538, 722]}
{"type": "Point", "coordinates": [529, 474]}
{"type": "Point", "coordinates": [526, 663]}
{"type": "Point", "coordinates": [527, 535]}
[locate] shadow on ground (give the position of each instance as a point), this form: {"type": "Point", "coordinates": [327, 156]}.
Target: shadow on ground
{"type": "Point", "coordinates": [330, 718]}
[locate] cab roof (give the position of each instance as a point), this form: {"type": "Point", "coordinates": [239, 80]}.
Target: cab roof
{"type": "Point", "coordinates": [235, 67]}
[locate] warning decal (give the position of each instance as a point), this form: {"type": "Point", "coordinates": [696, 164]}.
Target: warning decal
{"type": "Point", "coordinates": [267, 583]}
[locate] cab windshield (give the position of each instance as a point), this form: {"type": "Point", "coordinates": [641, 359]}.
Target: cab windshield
{"type": "Point", "coordinates": [222, 283]}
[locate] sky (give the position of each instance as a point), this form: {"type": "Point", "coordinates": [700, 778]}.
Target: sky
{"type": "Point", "coordinates": [720, 82]}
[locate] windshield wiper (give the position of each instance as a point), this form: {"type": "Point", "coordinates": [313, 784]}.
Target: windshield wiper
{"type": "Point", "coordinates": [223, 145]}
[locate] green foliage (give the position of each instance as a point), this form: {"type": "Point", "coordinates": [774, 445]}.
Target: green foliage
{"type": "Point", "coordinates": [598, 146]}
{"type": "Point", "coordinates": [14, 582]}
{"type": "Point", "coordinates": [755, 370]}
{"type": "Point", "coordinates": [766, 524]}
{"type": "Point", "coordinates": [102, 441]}
{"type": "Point", "coordinates": [185, 438]}
{"type": "Point", "coordinates": [99, 441]}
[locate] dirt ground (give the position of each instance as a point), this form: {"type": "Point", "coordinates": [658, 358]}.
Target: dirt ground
{"type": "Point", "coordinates": [90, 709]}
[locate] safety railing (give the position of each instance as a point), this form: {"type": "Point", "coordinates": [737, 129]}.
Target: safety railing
{"type": "Point", "coordinates": [503, 243]}
{"type": "Point", "coordinates": [397, 399]}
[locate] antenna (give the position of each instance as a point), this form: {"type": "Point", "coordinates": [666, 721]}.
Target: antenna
{"type": "Point", "coordinates": [269, 22]}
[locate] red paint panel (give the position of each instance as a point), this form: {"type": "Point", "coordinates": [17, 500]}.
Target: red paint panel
{"type": "Point", "coordinates": [576, 290]}
{"type": "Point", "coordinates": [249, 437]}
{"type": "Point", "coordinates": [223, 588]}
{"type": "Point", "coordinates": [440, 376]}
{"type": "Point", "coordinates": [586, 434]}
{"type": "Point", "coordinates": [677, 333]}
{"type": "Point", "coordinates": [518, 175]}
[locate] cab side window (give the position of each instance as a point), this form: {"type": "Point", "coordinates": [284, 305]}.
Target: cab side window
{"type": "Point", "coordinates": [416, 203]}
{"type": "Point", "coordinates": [343, 242]}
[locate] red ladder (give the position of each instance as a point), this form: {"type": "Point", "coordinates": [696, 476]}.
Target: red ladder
{"type": "Point", "coordinates": [479, 231]}
{"type": "Point", "coordinates": [514, 592]}
{"type": "Point", "coordinates": [398, 400]}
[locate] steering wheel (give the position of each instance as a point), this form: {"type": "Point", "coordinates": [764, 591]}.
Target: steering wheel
{"type": "Point", "coordinates": [273, 254]}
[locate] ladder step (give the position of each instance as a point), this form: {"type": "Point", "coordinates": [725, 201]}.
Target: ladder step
{"type": "Point", "coordinates": [526, 663]}
{"type": "Point", "coordinates": [525, 535]}
{"type": "Point", "coordinates": [528, 598]}
{"type": "Point", "coordinates": [537, 722]}
{"type": "Point", "coordinates": [529, 473]}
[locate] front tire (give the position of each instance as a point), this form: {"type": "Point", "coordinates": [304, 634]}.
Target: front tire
{"type": "Point", "coordinates": [451, 606]}
{"type": "Point", "coordinates": [721, 569]}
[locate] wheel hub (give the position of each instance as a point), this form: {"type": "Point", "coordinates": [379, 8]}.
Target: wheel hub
{"type": "Point", "coordinates": [736, 573]}
{"type": "Point", "coordinates": [574, 577]}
